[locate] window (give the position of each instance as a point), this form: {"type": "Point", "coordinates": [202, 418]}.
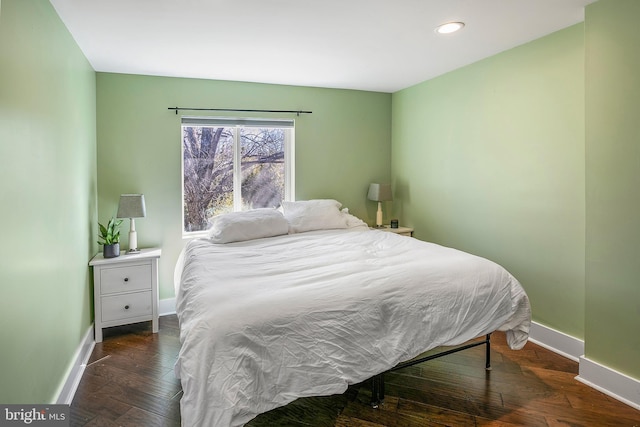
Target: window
{"type": "Point", "coordinates": [233, 165]}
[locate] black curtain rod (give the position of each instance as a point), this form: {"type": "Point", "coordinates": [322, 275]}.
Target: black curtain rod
{"type": "Point", "coordinates": [298, 112]}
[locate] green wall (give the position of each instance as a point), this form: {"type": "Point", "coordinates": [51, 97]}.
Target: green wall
{"type": "Point", "coordinates": [613, 185]}
{"type": "Point", "coordinates": [48, 193]}
{"type": "Point", "coordinates": [490, 159]}
{"type": "Point", "coordinates": [340, 148]}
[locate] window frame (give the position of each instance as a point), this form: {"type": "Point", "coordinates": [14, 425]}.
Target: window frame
{"type": "Point", "coordinates": [237, 124]}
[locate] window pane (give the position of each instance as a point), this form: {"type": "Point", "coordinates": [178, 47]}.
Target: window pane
{"type": "Point", "coordinates": [208, 174]}
{"type": "Point", "coordinates": [234, 164]}
{"type": "Point", "coordinates": [263, 168]}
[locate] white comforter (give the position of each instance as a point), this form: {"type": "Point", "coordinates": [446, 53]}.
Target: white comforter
{"type": "Point", "coordinates": [267, 321]}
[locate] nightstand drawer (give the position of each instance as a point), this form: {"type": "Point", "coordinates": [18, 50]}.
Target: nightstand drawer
{"type": "Point", "coordinates": [126, 306]}
{"type": "Point", "coordinates": [123, 279]}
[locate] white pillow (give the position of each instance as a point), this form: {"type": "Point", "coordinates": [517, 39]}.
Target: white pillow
{"type": "Point", "coordinates": [247, 225]}
{"type": "Point", "coordinates": [309, 215]}
{"type": "Point", "coordinates": [353, 221]}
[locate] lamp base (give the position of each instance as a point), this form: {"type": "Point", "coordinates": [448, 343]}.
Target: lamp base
{"type": "Point", "coordinates": [133, 239]}
{"type": "Point", "coordinates": [379, 216]}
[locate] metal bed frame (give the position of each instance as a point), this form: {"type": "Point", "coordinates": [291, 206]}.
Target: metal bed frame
{"type": "Point", "coordinates": [377, 382]}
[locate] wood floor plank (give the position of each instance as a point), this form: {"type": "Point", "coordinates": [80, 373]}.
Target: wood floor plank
{"type": "Point", "coordinates": [136, 417]}
{"type": "Point", "coordinates": [159, 387]}
{"type": "Point", "coordinates": [588, 419]}
{"type": "Point", "coordinates": [139, 399]}
{"type": "Point", "coordinates": [96, 407]}
{"type": "Point", "coordinates": [435, 414]}
{"type": "Point", "coordinates": [312, 411]}
{"type": "Point", "coordinates": [344, 421]}
{"type": "Point", "coordinates": [129, 381]}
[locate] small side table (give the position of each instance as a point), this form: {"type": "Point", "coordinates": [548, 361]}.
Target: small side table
{"type": "Point", "coordinates": [403, 231]}
{"type": "Point", "coordinates": [125, 289]}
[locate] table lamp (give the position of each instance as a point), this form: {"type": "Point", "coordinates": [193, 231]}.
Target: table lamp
{"type": "Point", "coordinates": [379, 193]}
{"type": "Point", "coordinates": [132, 206]}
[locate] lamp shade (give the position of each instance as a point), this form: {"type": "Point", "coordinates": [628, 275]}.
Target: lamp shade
{"type": "Point", "coordinates": [380, 192]}
{"type": "Point", "coordinates": [131, 206]}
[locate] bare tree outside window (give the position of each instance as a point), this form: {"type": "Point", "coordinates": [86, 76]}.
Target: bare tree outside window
{"type": "Point", "coordinates": [209, 176]}
{"type": "Point", "coordinates": [262, 167]}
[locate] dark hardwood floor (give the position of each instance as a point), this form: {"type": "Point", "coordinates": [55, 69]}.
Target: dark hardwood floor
{"type": "Point", "coordinates": [129, 381]}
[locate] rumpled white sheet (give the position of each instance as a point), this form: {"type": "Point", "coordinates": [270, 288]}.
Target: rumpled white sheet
{"type": "Point", "coordinates": [264, 322]}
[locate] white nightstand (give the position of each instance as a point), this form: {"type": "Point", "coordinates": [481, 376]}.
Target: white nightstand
{"type": "Point", "coordinates": [403, 231]}
{"type": "Point", "coordinates": [125, 289]}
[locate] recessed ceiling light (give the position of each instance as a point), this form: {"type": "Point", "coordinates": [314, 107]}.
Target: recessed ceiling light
{"type": "Point", "coordinates": [449, 27]}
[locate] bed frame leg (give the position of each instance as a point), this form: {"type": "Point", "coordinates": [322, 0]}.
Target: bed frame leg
{"type": "Point", "coordinates": [488, 354]}
{"type": "Point", "coordinates": [377, 391]}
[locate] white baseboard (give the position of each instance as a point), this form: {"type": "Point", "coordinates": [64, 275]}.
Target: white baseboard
{"type": "Point", "coordinates": [612, 383]}
{"type": "Point", "coordinates": [68, 388]}
{"type": "Point", "coordinates": [556, 341]}
{"type": "Point", "coordinates": [167, 306]}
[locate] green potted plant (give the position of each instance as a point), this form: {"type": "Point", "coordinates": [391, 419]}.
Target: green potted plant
{"type": "Point", "coordinates": [110, 238]}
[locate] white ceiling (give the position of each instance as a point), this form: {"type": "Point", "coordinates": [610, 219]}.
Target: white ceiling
{"type": "Point", "coordinates": [353, 44]}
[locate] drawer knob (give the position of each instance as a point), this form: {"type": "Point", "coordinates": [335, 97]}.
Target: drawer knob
{"type": "Point", "coordinates": [126, 279]}
{"type": "Point", "coordinates": [126, 307]}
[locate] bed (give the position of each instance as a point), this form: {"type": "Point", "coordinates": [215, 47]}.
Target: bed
{"type": "Point", "coordinates": [274, 310]}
